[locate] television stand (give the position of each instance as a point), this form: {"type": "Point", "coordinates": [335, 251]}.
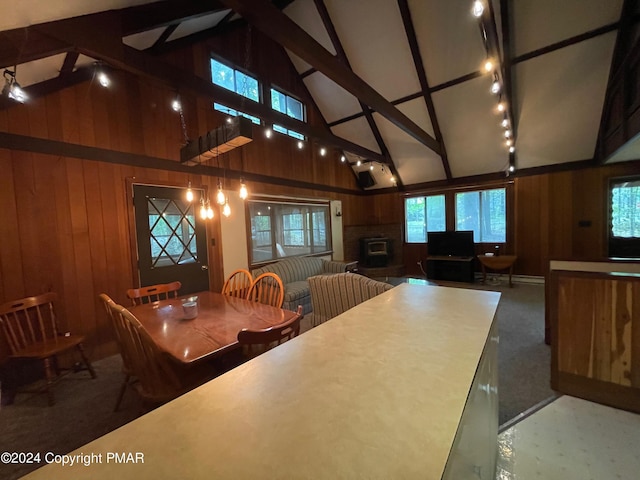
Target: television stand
{"type": "Point", "coordinates": [455, 269]}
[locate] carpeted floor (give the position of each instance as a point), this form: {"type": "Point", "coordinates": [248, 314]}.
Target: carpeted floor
{"type": "Point", "coordinates": [84, 408]}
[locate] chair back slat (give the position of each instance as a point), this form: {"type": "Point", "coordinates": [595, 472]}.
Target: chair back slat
{"type": "Point", "coordinates": [28, 321]}
{"type": "Point", "coordinates": [157, 379]}
{"type": "Point", "coordinates": [256, 342]}
{"type": "Point", "coordinates": [268, 289]}
{"type": "Point", "coordinates": [238, 284]}
{"type": "Point", "coordinates": [153, 293]}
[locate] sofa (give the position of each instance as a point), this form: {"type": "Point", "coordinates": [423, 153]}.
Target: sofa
{"type": "Point", "coordinates": [335, 294]}
{"type": "Point", "coordinates": [294, 273]}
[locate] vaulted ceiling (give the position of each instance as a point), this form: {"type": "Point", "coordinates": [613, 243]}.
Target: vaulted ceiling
{"type": "Point", "coordinates": [399, 82]}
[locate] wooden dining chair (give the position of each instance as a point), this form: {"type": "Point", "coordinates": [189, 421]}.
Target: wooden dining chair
{"type": "Point", "coordinates": [153, 293]}
{"type": "Point", "coordinates": [31, 331]}
{"type": "Point", "coordinates": [124, 353]}
{"type": "Point", "coordinates": [159, 378]}
{"type": "Point", "coordinates": [256, 342]}
{"type": "Point", "coordinates": [268, 289]}
{"type": "Point", "coordinates": [238, 284]}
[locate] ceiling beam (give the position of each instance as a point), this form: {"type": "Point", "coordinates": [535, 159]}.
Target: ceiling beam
{"type": "Point", "coordinates": [69, 63]}
{"type": "Point", "coordinates": [287, 33]}
{"type": "Point", "coordinates": [145, 17]}
{"type": "Point", "coordinates": [424, 83]}
{"type": "Point", "coordinates": [22, 45]}
{"type": "Point", "coordinates": [342, 55]}
{"type": "Point", "coordinates": [617, 81]}
{"type": "Point", "coordinates": [507, 69]}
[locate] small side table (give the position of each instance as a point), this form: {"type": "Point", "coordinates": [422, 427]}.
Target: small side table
{"type": "Point", "coordinates": [500, 262]}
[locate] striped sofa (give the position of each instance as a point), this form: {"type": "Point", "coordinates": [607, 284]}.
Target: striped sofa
{"type": "Point", "coordinates": [294, 273]}
{"type": "Point", "coordinates": [335, 294]}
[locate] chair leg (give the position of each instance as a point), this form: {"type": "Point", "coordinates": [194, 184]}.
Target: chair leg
{"type": "Point", "coordinates": [86, 361]}
{"type": "Point", "coordinates": [123, 388]}
{"type": "Point", "coordinates": [48, 370]}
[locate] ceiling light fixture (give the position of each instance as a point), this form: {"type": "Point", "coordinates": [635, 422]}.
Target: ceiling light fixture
{"type": "Point", "coordinates": [244, 193]}
{"type": "Point", "coordinates": [477, 9]}
{"type": "Point", "coordinates": [300, 144]}
{"type": "Point", "coordinates": [512, 149]}
{"type": "Point", "coordinates": [220, 196]}
{"type": "Point", "coordinates": [189, 194]}
{"type": "Point", "coordinates": [488, 66]}
{"type": "Point", "coordinates": [268, 132]}
{"type": "Point", "coordinates": [226, 210]}
{"type": "Point", "coordinates": [495, 87]}
{"type": "Point", "coordinates": [323, 151]}
{"type": "Point", "coordinates": [12, 88]}
{"type": "Point", "coordinates": [358, 163]}
{"type": "Point", "coordinates": [501, 107]}
{"type": "Point", "coordinates": [176, 105]}
{"type": "Point", "coordinates": [343, 158]}
{"type": "Point", "coordinates": [103, 79]}
{"type": "Point", "coordinates": [505, 122]}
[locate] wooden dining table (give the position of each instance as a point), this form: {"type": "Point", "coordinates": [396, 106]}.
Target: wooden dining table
{"type": "Point", "coordinates": [212, 332]}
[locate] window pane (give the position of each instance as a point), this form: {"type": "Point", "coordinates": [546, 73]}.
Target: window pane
{"type": "Point", "coordinates": [297, 135]}
{"type": "Point", "coordinates": [424, 214]}
{"type": "Point", "coordinates": [625, 210]}
{"type": "Point", "coordinates": [247, 86]}
{"type": "Point", "coordinates": [222, 75]}
{"type": "Point", "coordinates": [288, 229]}
{"type": "Point", "coordinates": [484, 212]}
{"type": "Point", "coordinates": [416, 220]}
{"type": "Point", "coordinates": [278, 101]}
{"type": "Point", "coordinates": [468, 212]}
{"type": "Point", "coordinates": [493, 215]}
{"type": "Point", "coordinates": [225, 109]}
{"type": "Point", "coordinates": [436, 214]}
{"type": "Point", "coordinates": [295, 108]}
{"type": "Point", "coordinates": [280, 129]}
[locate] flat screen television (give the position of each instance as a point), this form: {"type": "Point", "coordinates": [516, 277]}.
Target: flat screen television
{"type": "Point", "coordinates": [451, 244]}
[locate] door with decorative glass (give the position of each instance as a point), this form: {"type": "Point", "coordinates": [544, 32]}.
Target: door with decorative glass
{"type": "Point", "coordinates": [171, 239]}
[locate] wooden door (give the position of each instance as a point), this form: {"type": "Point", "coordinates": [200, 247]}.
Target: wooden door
{"type": "Point", "coordinates": [171, 239]}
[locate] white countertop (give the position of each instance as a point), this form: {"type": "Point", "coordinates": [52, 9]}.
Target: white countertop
{"type": "Point", "coordinates": [374, 393]}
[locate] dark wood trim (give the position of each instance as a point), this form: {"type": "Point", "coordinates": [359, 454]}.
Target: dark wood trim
{"type": "Point", "coordinates": [616, 77]}
{"type": "Point", "coordinates": [69, 63]}
{"type": "Point", "coordinates": [424, 83]}
{"type": "Point", "coordinates": [287, 33]}
{"type": "Point", "coordinates": [308, 72]}
{"type": "Point", "coordinates": [12, 141]}
{"type": "Point", "coordinates": [457, 81]}
{"type": "Point", "coordinates": [162, 14]}
{"type": "Point", "coordinates": [566, 42]}
{"type": "Point", "coordinates": [617, 396]}
{"type": "Point", "coordinates": [163, 37]}
{"type": "Point", "coordinates": [507, 54]}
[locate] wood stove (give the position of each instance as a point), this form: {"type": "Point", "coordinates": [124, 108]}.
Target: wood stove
{"type": "Point", "coordinates": [375, 251]}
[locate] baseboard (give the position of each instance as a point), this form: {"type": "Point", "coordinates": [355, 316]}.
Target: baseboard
{"type": "Point", "coordinates": [504, 277]}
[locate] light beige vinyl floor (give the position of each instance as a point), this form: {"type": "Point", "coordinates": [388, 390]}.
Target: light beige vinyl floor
{"type": "Point", "coordinates": [571, 439]}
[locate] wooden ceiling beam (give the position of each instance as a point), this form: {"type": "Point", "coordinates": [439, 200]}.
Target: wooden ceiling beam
{"type": "Point", "coordinates": [271, 21]}
{"type": "Point", "coordinates": [145, 17]}
{"type": "Point", "coordinates": [424, 83]}
{"type": "Point", "coordinates": [507, 68]}
{"type": "Point", "coordinates": [23, 45]}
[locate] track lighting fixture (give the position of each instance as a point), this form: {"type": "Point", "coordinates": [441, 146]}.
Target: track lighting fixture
{"type": "Point", "coordinates": [12, 88]}
{"type": "Point", "coordinates": [477, 9]}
